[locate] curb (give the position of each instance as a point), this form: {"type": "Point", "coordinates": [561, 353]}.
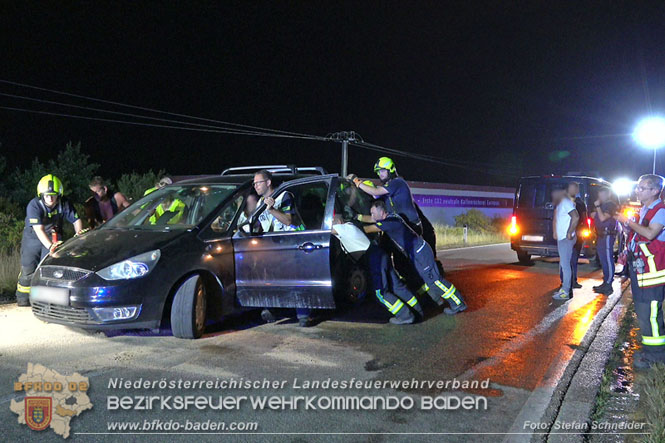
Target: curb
{"type": "Point", "coordinates": [574, 397]}
{"type": "Point", "coordinates": [580, 399]}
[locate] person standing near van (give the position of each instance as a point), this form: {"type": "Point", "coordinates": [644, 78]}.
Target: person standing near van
{"type": "Point", "coordinates": [646, 261]}
{"type": "Point", "coordinates": [573, 193]}
{"type": "Point", "coordinates": [606, 234]}
{"type": "Point", "coordinates": [564, 224]}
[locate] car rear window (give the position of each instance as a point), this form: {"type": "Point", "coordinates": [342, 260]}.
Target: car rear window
{"type": "Point", "coordinates": [538, 193]}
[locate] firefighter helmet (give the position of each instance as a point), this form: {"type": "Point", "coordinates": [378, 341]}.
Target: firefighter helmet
{"type": "Point", "coordinates": [385, 163]}
{"type": "Point", "coordinates": [369, 183]}
{"type": "Point", "coordinates": [49, 185]}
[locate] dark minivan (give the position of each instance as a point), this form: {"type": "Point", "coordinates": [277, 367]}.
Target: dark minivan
{"type": "Point", "coordinates": [531, 224]}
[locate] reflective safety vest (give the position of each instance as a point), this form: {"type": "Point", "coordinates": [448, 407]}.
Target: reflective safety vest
{"type": "Point", "coordinates": [649, 263]}
{"type": "Point", "coordinates": [177, 207]}
{"type": "Point", "coordinates": [151, 190]}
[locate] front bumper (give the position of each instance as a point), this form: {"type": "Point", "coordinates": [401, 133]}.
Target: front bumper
{"type": "Point", "coordinates": [89, 301]}
{"type": "Point", "coordinates": [82, 317]}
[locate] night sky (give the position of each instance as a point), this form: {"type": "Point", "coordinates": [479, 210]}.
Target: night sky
{"type": "Point", "coordinates": [502, 88]}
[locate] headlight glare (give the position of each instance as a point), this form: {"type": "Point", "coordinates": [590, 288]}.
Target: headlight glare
{"type": "Point", "coordinates": [134, 267]}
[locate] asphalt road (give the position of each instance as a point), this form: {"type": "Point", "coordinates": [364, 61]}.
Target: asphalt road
{"type": "Point", "coordinates": [513, 334]}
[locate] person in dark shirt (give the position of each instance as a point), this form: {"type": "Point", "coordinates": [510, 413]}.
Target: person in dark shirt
{"type": "Point", "coordinates": [394, 191]}
{"type": "Point", "coordinates": [606, 231]}
{"type": "Point", "coordinates": [416, 249]}
{"type": "Point", "coordinates": [104, 203]}
{"type": "Point", "coordinates": [43, 230]}
{"type": "Point", "coordinates": [390, 290]}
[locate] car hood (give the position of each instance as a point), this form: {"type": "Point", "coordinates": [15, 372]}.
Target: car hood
{"type": "Point", "coordinates": [100, 248]}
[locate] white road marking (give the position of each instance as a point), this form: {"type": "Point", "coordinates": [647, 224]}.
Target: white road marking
{"type": "Point", "coordinates": [580, 299]}
{"type": "Point", "coordinates": [537, 403]}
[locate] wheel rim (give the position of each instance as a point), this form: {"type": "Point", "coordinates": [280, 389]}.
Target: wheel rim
{"type": "Point", "coordinates": [357, 285]}
{"type": "Point", "coordinates": [200, 308]}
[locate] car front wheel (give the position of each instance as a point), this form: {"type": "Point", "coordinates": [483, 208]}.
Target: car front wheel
{"type": "Point", "coordinates": [188, 312]}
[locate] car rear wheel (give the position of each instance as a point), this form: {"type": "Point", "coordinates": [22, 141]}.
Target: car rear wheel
{"type": "Point", "coordinates": [524, 258]}
{"type": "Point", "coordinates": [188, 312]}
{"type": "Point", "coordinates": [357, 284]}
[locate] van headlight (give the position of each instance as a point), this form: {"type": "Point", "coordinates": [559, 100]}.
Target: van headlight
{"type": "Point", "coordinates": [134, 267]}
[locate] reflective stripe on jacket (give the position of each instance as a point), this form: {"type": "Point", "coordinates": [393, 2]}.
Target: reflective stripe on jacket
{"type": "Point", "coordinates": [651, 252]}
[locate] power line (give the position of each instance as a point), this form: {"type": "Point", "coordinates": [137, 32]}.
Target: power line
{"type": "Point", "coordinates": [458, 164]}
{"type": "Point", "coordinates": [143, 108]}
{"type": "Point", "coordinates": [88, 108]}
{"type": "Point", "coordinates": [185, 128]}
{"type": "Point", "coordinates": [353, 138]}
{"type": "Point", "coordinates": [479, 167]}
{"type": "Point", "coordinates": [231, 131]}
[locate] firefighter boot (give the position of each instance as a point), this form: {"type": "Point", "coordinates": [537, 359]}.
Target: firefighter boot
{"type": "Point", "coordinates": [403, 317]}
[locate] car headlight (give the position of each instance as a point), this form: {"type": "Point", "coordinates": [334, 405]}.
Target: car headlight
{"type": "Point", "coordinates": [134, 267]}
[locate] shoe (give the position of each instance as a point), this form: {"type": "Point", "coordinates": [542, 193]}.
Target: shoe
{"type": "Point", "coordinates": [602, 288]}
{"type": "Point", "coordinates": [268, 316]}
{"type": "Point", "coordinates": [22, 301]}
{"type": "Point", "coordinates": [597, 287]}
{"type": "Point", "coordinates": [561, 295]}
{"type": "Point", "coordinates": [606, 290]}
{"type": "Point", "coordinates": [576, 285]}
{"type": "Point", "coordinates": [402, 321]}
{"type": "Point", "coordinates": [305, 322]}
{"type": "Point", "coordinates": [456, 310]}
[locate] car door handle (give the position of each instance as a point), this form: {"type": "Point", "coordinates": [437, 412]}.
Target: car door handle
{"type": "Point", "coordinates": [309, 247]}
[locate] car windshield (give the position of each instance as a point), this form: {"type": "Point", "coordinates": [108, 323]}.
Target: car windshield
{"type": "Point", "coordinates": [173, 207]}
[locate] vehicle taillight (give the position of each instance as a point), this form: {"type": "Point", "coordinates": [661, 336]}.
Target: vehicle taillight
{"type": "Point", "coordinates": [587, 231]}
{"type": "Point", "coordinates": [513, 229]}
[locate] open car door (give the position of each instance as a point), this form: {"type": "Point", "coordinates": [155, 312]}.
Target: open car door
{"type": "Point", "coordinates": [289, 268]}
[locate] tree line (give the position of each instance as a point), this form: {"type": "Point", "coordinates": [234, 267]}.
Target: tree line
{"type": "Point", "coordinates": [74, 168]}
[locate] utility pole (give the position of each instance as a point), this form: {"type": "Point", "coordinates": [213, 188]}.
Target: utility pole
{"type": "Point", "coordinates": [345, 137]}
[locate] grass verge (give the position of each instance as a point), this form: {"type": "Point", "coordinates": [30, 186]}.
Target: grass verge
{"type": "Point", "coordinates": [618, 358]}
{"type": "Point", "coordinates": [10, 265]}
{"type": "Point", "coordinates": [654, 401]}
{"type": "Point", "coordinates": [650, 385]}
{"type": "Point", "coordinates": [452, 236]}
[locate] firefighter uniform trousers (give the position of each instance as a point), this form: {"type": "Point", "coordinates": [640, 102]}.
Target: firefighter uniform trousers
{"type": "Point", "coordinates": [32, 252]}
{"type": "Point", "coordinates": [438, 288]}
{"type": "Point", "coordinates": [649, 309]}
{"type": "Point", "coordinates": [390, 290]}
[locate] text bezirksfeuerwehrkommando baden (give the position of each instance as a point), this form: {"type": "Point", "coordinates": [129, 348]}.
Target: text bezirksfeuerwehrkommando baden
{"type": "Point", "coordinates": [367, 399]}
{"type": "Point", "coordinates": [295, 383]}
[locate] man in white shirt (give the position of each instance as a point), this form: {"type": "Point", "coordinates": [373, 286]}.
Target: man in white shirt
{"type": "Point", "coordinates": [280, 212]}
{"type": "Point", "coordinates": [564, 224]}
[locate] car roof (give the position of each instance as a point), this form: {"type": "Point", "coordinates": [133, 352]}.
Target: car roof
{"type": "Point", "coordinates": [564, 177]}
{"type": "Point", "coordinates": [237, 179]}
{"type": "Point", "coordinates": [545, 177]}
